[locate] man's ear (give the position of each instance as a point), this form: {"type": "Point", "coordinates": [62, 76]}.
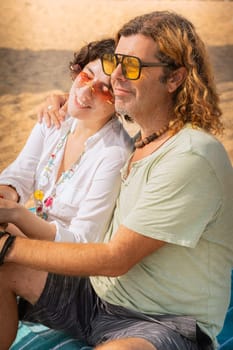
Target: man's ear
{"type": "Point", "coordinates": [176, 79]}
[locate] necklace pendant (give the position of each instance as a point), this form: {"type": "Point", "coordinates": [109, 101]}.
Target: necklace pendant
{"type": "Point", "coordinates": [44, 216]}
{"type": "Point", "coordinates": [38, 195]}
{"type": "Point", "coordinates": [48, 202]}
{"type": "Point", "coordinates": [39, 209]}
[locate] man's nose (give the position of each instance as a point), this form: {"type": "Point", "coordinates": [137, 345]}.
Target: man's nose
{"type": "Point", "coordinates": [118, 73]}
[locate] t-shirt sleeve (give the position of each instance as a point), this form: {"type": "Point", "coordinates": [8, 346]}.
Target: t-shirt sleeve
{"type": "Point", "coordinates": [181, 198]}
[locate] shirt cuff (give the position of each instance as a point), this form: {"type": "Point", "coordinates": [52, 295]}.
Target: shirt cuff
{"type": "Point", "coordinates": [62, 234]}
{"type": "Point", "coordinates": [58, 235]}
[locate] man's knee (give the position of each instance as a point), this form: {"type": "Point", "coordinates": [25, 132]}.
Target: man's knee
{"type": "Point", "coordinates": [126, 344]}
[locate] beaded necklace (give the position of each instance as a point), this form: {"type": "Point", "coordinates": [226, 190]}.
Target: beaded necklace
{"type": "Point", "coordinates": [42, 206]}
{"type": "Point", "coordinates": [140, 143]}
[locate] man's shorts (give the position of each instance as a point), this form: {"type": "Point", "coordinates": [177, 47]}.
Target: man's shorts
{"type": "Point", "coordinates": [70, 304]}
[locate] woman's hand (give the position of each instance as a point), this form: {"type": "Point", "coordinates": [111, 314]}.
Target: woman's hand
{"type": "Point", "coordinates": [9, 193]}
{"type": "Point", "coordinates": [6, 214]}
{"type": "Point", "coordinates": [7, 209]}
{"type": "Point", "coordinates": [53, 110]}
{"type": "Point", "coordinates": [25, 221]}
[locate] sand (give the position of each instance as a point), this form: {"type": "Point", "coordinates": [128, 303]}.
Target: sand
{"type": "Point", "coordinates": [38, 38]}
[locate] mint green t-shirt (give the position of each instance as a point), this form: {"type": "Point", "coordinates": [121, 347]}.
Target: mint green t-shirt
{"type": "Point", "coordinates": [181, 194]}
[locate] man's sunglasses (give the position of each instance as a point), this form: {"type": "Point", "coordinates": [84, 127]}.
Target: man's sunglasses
{"type": "Point", "coordinates": [131, 66]}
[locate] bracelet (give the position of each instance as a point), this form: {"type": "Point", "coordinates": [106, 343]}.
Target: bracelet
{"type": "Point", "coordinates": [7, 245]}
{"type": "Point", "coordinates": [3, 233]}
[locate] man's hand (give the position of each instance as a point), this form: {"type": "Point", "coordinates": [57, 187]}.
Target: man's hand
{"type": "Point", "coordinates": [53, 110]}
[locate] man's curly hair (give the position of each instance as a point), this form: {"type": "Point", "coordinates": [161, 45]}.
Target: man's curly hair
{"type": "Point", "coordinates": [196, 100]}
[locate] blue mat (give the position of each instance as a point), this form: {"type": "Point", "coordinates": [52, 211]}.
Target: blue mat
{"type": "Point", "coordinates": [37, 337]}
{"type": "Point", "coordinates": [225, 338]}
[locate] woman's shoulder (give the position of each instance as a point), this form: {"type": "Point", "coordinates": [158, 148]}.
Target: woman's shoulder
{"type": "Point", "coordinates": [53, 130]}
{"type": "Point", "coordinates": [118, 136]}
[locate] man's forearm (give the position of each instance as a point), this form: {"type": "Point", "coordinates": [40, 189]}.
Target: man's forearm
{"type": "Point", "coordinates": [110, 259]}
{"type": "Point", "coordinates": [63, 258]}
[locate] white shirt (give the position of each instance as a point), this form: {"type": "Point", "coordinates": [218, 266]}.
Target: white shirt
{"type": "Point", "coordinates": [84, 203]}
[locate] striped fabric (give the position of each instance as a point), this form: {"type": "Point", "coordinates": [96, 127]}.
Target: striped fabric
{"type": "Point", "coordinates": [37, 337]}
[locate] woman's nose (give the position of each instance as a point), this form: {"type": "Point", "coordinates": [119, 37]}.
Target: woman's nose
{"type": "Point", "coordinates": [84, 94]}
{"type": "Point", "coordinates": [86, 89]}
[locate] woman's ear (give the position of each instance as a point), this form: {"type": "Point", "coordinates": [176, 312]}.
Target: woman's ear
{"type": "Point", "coordinates": [176, 79]}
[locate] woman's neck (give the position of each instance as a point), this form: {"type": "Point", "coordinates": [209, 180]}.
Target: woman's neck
{"type": "Point", "coordinates": [85, 129]}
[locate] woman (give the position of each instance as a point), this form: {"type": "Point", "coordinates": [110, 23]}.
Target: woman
{"type": "Point", "coordinates": [74, 172]}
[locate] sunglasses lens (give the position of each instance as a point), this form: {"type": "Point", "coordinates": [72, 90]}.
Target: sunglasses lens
{"type": "Point", "coordinates": [131, 67]}
{"type": "Point", "coordinates": [83, 79]}
{"type": "Point", "coordinates": [108, 63]}
{"type": "Point", "coordinates": [103, 92]}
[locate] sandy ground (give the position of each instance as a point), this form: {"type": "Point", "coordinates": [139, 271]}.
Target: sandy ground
{"type": "Point", "coordinates": [38, 37]}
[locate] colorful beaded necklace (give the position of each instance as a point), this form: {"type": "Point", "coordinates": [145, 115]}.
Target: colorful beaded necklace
{"type": "Point", "coordinates": [42, 206]}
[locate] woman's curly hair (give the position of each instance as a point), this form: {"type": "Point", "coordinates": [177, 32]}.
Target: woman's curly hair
{"type": "Point", "coordinates": [196, 100]}
{"type": "Point", "coordinates": [89, 53]}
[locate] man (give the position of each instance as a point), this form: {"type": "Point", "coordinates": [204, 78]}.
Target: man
{"type": "Point", "coordinates": [161, 279]}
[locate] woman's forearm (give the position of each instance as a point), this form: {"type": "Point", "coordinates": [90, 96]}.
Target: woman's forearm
{"type": "Point", "coordinates": [31, 225]}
